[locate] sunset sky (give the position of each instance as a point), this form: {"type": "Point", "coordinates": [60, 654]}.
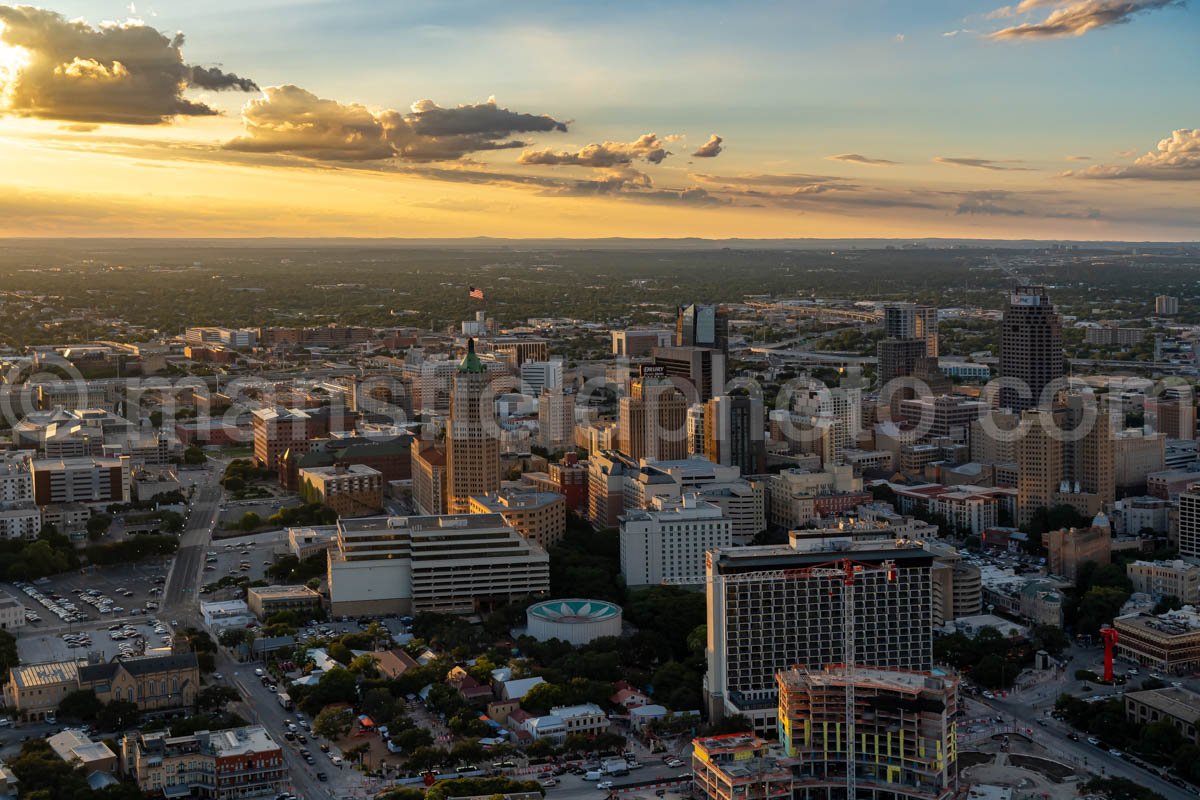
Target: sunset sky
{"type": "Point", "coordinates": [1071, 119]}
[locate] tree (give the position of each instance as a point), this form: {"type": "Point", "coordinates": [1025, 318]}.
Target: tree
{"type": "Point", "coordinates": [412, 739]}
{"type": "Point", "coordinates": [424, 758]}
{"type": "Point", "coordinates": [250, 521]}
{"type": "Point", "coordinates": [81, 704]}
{"type": "Point", "coordinates": [1049, 638]}
{"type": "Point", "coordinates": [194, 455]}
{"type": "Point", "coordinates": [171, 521]}
{"type": "Point", "coordinates": [8, 654]}
{"type": "Point", "coordinates": [97, 526]}
{"type": "Point", "coordinates": [335, 686]}
{"type": "Point", "coordinates": [1160, 740]}
{"type": "Point", "coordinates": [364, 665]}
{"type": "Point", "coordinates": [1098, 607]}
{"type": "Point", "coordinates": [333, 723]}
{"type": "Point", "coordinates": [215, 698]}
{"type": "Point", "coordinates": [1168, 603]}
{"type": "Point", "coordinates": [117, 715]}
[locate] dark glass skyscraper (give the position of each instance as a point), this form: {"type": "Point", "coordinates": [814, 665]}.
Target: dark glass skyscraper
{"type": "Point", "coordinates": [1031, 347]}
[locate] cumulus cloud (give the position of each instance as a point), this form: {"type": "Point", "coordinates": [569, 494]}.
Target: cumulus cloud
{"type": "Point", "coordinates": [1074, 18]}
{"type": "Point", "coordinates": [710, 149]}
{"type": "Point", "coordinates": [126, 73]}
{"type": "Point", "coordinates": [647, 147]}
{"type": "Point", "coordinates": [981, 163]}
{"type": "Point", "coordinates": [1177, 158]}
{"type": "Point", "coordinates": [856, 158]}
{"type": "Point", "coordinates": [289, 119]}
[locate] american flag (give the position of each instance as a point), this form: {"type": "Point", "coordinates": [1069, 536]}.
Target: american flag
{"type": "Point", "coordinates": [476, 293]}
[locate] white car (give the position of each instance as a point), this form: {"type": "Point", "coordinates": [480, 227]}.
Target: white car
{"type": "Point", "coordinates": [604, 785]}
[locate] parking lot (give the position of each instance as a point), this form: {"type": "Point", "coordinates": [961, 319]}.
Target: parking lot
{"type": "Point", "coordinates": [95, 637]}
{"type": "Point", "coordinates": [225, 557]}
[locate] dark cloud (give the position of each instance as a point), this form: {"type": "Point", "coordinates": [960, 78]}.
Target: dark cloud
{"type": "Point", "coordinates": [1079, 158]}
{"type": "Point", "coordinates": [1000, 203]}
{"type": "Point", "coordinates": [982, 163]}
{"type": "Point", "coordinates": [1075, 18]}
{"type": "Point", "coordinates": [288, 119]}
{"type": "Point", "coordinates": [855, 158]}
{"type": "Point", "coordinates": [215, 79]}
{"type": "Point", "coordinates": [710, 149]}
{"type": "Point", "coordinates": [1177, 158]}
{"type": "Point", "coordinates": [126, 73]}
{"type": "Point", "coordinates": [647, 147]}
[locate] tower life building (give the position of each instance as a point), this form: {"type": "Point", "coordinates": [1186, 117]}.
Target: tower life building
{"type": "Point", "coordinates": [472, 444]}
{"type": "Point", "coordinates": [761, 619]}
{"type": "Point", "coordinates": [1031, 347]}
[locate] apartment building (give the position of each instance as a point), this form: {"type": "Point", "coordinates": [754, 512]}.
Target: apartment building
{"type": "Point", "coordinates": [428, 477]}
{"type": "Point", "coordinates": [668, 542]}
{"type": "Point", "coordinates": [966, 507]}
{"type": "Point", "coordinates": [1160, 579]}
{"type": "Point", "coordinates": [905, 741]}
{"type": "Point", "coordinates": [606, 488]}
{"type": "Point", "coordinates": [264, 601]}
{"type": "Point", "coordinates": [85, 479]}
{"type": "Point", "coordinates": [792, 495]}
{"type": "Point", "coordinates": [221, 765]}
{"type": "Point", "coordinates": [765, 614]}
{"type": "Point", "coordinates": [16, 480]}
{"type": "Point", "coordinates": [20, 519]}
{"type": "Point", "coordinates": [538, 516]}
{"type": "Point", "coordinates": [352, 490]}
{"type": "Point", "coordinates": [281, 430]}
{"type": "Point", "coordinates": [447, 563]}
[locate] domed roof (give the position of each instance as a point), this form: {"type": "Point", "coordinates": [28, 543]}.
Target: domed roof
{"type": "Point", "coordinates": [574, 610]}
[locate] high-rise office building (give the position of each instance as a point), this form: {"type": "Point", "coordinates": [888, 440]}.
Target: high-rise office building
{"type": "Point", "coordinates": [1039, 464]}
{"type": "Point", "coordinates": [898, 358]}
{"type": "Point", "coordinates": [1189, 522]}
{"type": "Point", "coordinates": [702, 326]}
{"type": "Point", "coordinates": [556, 419]}
{"type": "Point", "coordinates": [539, 375]}
{"type": "Point", "coordinates": [702, 367]}
{"type": "Point", "coordinates": [764, 617]}
{"type": "Point", "coordinates": [652, 421]}
{"type": "Point", "coordinates": [1031, 347]}
{"type": "Point", "coordinates": [734, 430]}
{"type": "Point", "coordinates": [472, 443]}
{"type": "Point", "coordinates": [1173, 413]}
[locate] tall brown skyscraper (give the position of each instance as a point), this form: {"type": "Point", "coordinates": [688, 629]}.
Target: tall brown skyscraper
{"type": "Point", "coordinates": [652, 421]}
{"type": "Point", "coordinates": [472, 446]}
{"type": "Point", "coordinates": [1031, 346]}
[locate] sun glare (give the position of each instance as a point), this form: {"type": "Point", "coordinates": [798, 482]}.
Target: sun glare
{"type": "Point", "coordinates": [12, 59]}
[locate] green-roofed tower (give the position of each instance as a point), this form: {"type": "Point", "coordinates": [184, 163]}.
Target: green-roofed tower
{"type": "Point", "coordinates": [471, 362]}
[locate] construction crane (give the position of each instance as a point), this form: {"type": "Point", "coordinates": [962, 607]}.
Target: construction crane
{"type": "Point", "coordinates": [847, 571]}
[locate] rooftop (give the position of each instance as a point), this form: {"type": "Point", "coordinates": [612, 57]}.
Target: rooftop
{"type": "Point", "coordinates": [283, 592]}
{"type": "Point", "coordinates": [1175, 702]}
{"type": "Point", "coordinates": [46, 674]}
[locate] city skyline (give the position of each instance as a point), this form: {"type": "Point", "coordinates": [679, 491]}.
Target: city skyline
{"type": "Point", "coordinates": [1045, 119]}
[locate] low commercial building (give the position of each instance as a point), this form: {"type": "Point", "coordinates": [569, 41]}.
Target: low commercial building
{"type": "Point", "coordinates": [12, 613]}
{"type": "Point", "coordinates": [220, 765]}
{"type": "Point", "coordinates": [352, 490]}
{"type": "Point", "coordinates": [226, 614]}
{"type": "Point", "coordinates": [20, 519]}
{"type": "Point", "coordinates": [1071, 548]}
{"type": "Point", "coordinates": [586, 719]}
{"type": "Point", "coordinates": [736, 766]}
{"type": "Point", "coordinates": [152, 682]}
{"type": "Point", "coordinates": [84, 479]}
{"type": "Point", "coordinates": [264, 601]}
{"type": "Point", "coordinates": [79, 751]}
{"type": "Point", "coordinates": [538, 516]}
{"type": "Point", "coordinates": [1160, 579]}
{"type": "Point", "coordinates": [35, 690]}
{"type": "Point", "coordinates": [1169, 643]}
{"type": "Point", "coordinates": [448, 563]}
{"type": "Point", "coordinates": [1179, 706]}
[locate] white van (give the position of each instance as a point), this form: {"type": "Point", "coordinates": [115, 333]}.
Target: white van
{"type": "Point", "coordinates": [592, 775]}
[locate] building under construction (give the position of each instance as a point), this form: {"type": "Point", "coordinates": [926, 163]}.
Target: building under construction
{"type": "Point", "coordinates": [903, 727]}
{"type": "Point", "coordinates": [903, 733]}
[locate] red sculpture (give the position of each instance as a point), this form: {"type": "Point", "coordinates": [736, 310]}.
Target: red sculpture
{"type": "Point", "coordinates": [1109, 637]}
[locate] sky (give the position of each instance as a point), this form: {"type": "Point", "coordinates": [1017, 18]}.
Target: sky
{"type": "Point", "coordinates": [1066, 119]}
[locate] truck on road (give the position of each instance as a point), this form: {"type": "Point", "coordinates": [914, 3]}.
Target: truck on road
{"type": "Point", "coordinates": [285, 701]}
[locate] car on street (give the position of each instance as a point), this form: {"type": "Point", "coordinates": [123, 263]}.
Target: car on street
{"type": "Point", "coordinates": [322, 777]}
{"type": "Point", "coordinates": [605, 785]}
